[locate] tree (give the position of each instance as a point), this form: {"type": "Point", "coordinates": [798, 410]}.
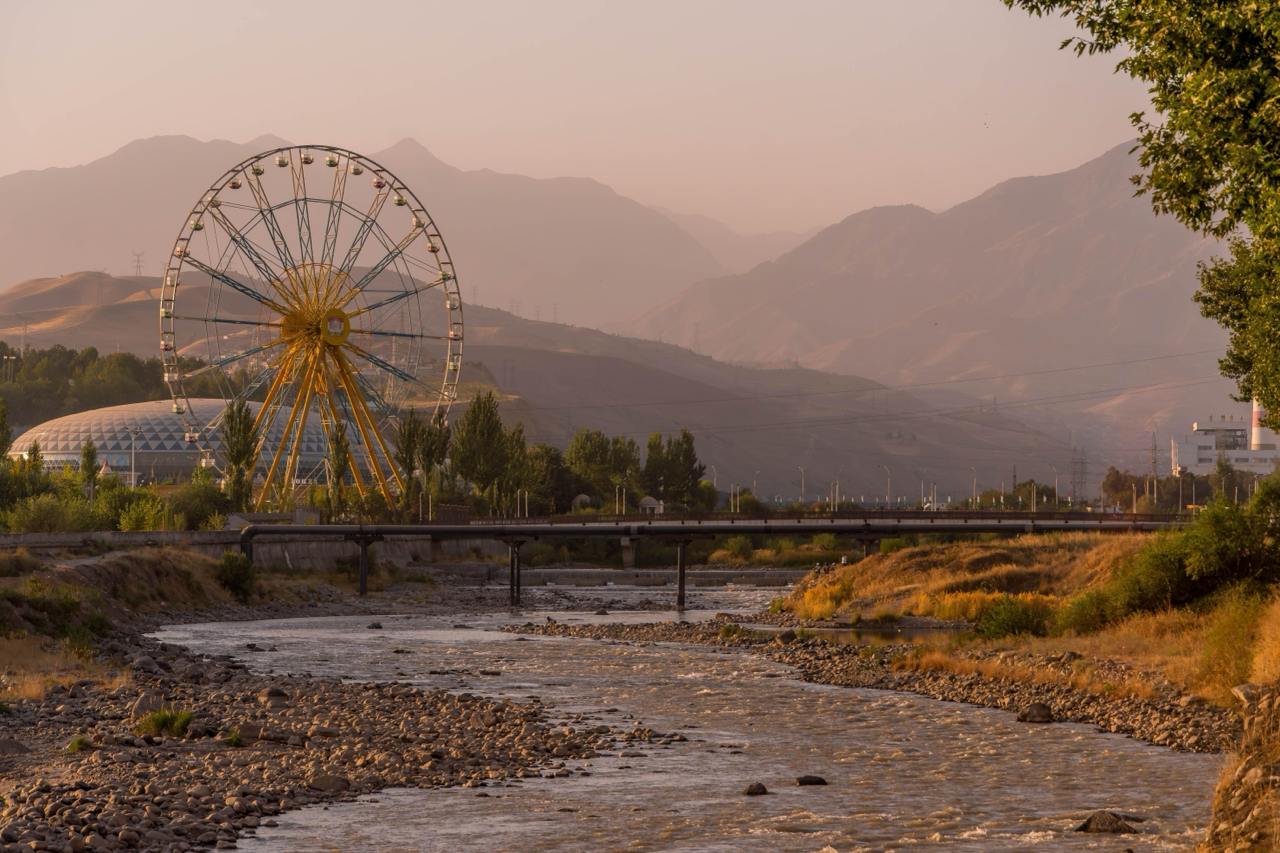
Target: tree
{"type": "Point", "coordinates": [480, 443]}
{"type": "Point", "coordinates": [6, 433]}
{"type": "Point", "coordinates": [409, 436]}
{"type": "Point", "coordinates": [552, 484]}
{"type": "Point", "coordinates": [653, 477]}
{"type": "Point", "coordinates": [240, 449]}
{"type": "Point", "coordinates": [89, 468]}
{"type": "Point", "coordinates": [589, 457]}
{"type": "Point", "coordinates": [1211, 154]}
{"type": "Point", "coordinates": [684, 471]}
{"type": "Point", "coordinates": [336, 468]}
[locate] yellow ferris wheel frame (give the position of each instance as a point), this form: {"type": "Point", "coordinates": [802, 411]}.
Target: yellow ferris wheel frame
{"type": "Point", "coordinates": [319, 319]}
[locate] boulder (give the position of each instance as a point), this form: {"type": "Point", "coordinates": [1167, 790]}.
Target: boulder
{"type": "Point", "coordinates": [147, 701]}
{"type": "Point", "coordinates": [273, 697]}
{"type": "Point", "coordinates": [787, 636]}
{"type": "Point", "coordinates": [810, 780]}
{"type": "Point", "coordinates": [9, 746]}
{"type": "Point", "coordinates": [376, 626]}
{"type": "Point", "coordinates": [755, 789]}
{"type": "Point", "coordinates": [1103, 821]}
{"type": "Point", "coordinates": [330, 783]}
{"type": "Point", "coordinates": [1036, 712]}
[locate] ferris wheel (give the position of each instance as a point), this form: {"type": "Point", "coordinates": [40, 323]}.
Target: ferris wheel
{"type": "Point", "coordinates": [311, 283]}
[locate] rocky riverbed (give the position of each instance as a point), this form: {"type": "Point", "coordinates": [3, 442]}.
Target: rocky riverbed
{"type": "Point", "coordinates": [1165, 718]}
{"type": "Point", "coordinates": [82, 771]}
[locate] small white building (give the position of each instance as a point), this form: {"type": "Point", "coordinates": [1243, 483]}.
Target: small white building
{"type": "Point", "coordinates": [1242, 441]}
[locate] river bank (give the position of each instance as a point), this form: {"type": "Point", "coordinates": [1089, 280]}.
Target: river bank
{"type": "Point", "coordinates": [194, 751]}
{"type": "Point", "coordinates": [1011, 681]}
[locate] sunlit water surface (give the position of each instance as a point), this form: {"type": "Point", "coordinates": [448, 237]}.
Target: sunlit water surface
{"type": "Point", "coordinates": [904, 772]}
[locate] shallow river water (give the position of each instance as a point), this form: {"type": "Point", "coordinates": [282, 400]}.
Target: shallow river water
{"type": "Point", "coordinates": [904, 772]}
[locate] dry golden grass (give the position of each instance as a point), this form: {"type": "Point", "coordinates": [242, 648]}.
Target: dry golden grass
{"type": "Point", "coordinates": [1083, 676]}
{"type": "Point", "coordinates": [29, 666]}
{"type": "Point", "coordinates": [905, 580]}
{"type": "Point", "coordinates": [1266, 649]}
{"type": "Point", "coordinates": [969, 606]}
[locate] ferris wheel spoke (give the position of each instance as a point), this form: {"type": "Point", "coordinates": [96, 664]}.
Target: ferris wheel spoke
{"type": "Point", "coordinates": [386, 261]}
{"type": "Point", "coordinates": [394, 298]}
{"type": "Point", "coordinates": [219, 363]}
{"type": "Point", "coordinates": [235, 285]}
{"type": "Point", "coordinates": [336, 198]}
{"type": "Point", "coordinates": [269, 220]}
{"type": "Point", "coordinates": [365, 424]}
{"type": "Point", "coordinates": [245, 245]}
{"type": "Point", "coordinates": [230, 320]}
{"type": "Point", "coordinates": [296, 166]}
{"type": "Point", "coordinates": [381, 363]}
{"type": "Point", "coordinates": [389, 334]}
{"type": "Point", "coordinates": [362, 233]}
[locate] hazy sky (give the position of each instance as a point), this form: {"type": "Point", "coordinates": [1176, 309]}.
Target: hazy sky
{"type": "Point", "coordinates": [762, 114]}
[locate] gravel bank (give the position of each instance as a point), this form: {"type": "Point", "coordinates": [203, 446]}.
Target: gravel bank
{"type": "Point", "coordinates": [254, 746]}
{"type": "Point", "coordinates": [1166, 719]}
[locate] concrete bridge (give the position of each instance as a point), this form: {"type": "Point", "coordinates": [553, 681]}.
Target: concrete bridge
{"type": "Point", "coordinates": [867, 527]}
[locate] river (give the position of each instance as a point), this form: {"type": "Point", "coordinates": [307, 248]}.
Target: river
{"type": "Point", "coordinates": [904, 771]}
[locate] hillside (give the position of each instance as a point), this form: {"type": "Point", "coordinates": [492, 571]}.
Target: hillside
{"type": "Point", "coordinates": [565, 247]}
{"type": "Point", "coordinates": [557, 378]}
{"type": "Point", "coordinates": [1033, 275]}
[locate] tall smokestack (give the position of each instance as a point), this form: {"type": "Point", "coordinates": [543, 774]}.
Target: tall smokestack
{"type": "Point", "coordinates": [1256, 438]}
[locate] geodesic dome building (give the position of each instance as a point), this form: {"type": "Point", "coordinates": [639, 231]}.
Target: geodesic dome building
{"type": "Point", "coordinates": [155, 439]}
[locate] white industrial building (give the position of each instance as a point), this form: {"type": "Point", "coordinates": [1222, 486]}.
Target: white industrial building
{"type": "Point", "coordinates": [1242, 441]}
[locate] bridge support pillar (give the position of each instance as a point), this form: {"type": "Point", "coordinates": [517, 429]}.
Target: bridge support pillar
{"type": "Point", "coordinates": [680, 554]}
{"type": "Point", "coordinates": [363, 540]}
{"type": "Point", "coordinates": [628, 552]}
{"type": "Point", "coordinates": [513, 571]}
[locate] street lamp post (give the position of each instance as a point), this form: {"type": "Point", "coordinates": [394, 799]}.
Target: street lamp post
{"type": "Point", "coordinates": [801, 467]}
{"type": "Point", "coordinates": [888, 485]}
{"type": "Point", "coordinates": [975, 486]}
{"type": "Point", "coordinates": [133, 456]}
{"type": "Point", "coordinates": [1054, 468]}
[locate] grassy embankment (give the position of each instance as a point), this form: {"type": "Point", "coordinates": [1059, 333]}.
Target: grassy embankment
{"type": "Point", "coordinates": [55, 613]}
{"type": "Point", "coordinates": [1198, 609]}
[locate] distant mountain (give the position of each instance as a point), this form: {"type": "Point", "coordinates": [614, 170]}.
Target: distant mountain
{"type": "Point", "coordinates": [751, 424]}
{"type": "Point", "coordinates": [565, 247]}
{"type": "Point", "coordinates": [1034, 275]}
{"type": "Point", "coordinates": [734, 251]}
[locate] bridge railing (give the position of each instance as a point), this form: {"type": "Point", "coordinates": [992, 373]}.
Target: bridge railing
{"type": "Point", "coordinates": [851, 515]}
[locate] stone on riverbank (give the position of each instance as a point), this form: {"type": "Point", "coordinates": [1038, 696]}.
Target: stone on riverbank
{"type": "Point", "coordinates": [755, 789]}
{"type": "Point", "coordinates": [810, 780]}
{"type": "Point", "coordinates": [1105, 822]}
{"type": "Point", "coordinates": [1037, 712]}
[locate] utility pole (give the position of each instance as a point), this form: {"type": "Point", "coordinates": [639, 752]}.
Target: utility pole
{"type": "Point", "coordinates": [801, 467]}
{"type": "Point", "coordinates": [137, 263]}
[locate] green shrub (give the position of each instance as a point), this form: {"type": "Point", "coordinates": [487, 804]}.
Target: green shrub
{"type": "Point", "coordinates": [197, 502]}
{"type": "Point", "coordinates": [732, 629]}
{"type": "Point", "coordinates": [144, 513]}
{"type": "Point", "coordinates": [235, 573]}
{"type": "Point", "coordinates": [79, 743]}
{"type": "Point", "coordinates": [740, 547]}
{"type": "Point", "coordinates": [824, 541]}
{"type": "Point", "coordinates": [1083, 614]}
{"type": "Point", "coordinates": [166, 721]}
{"type": "Point", "coordinates": [234, 738]}
{"type": "Point", "coordinates": [1010, 615]}
{"type": "Point", "coordinates": [48, 513]}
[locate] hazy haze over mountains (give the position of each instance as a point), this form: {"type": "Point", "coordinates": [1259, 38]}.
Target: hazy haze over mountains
{"type": "Point", "coordinates": [568, 247]}
{"type": "Point", "coordinates": [750, 424]}
{"type": "Point", "coordinates": [1035, 275]}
